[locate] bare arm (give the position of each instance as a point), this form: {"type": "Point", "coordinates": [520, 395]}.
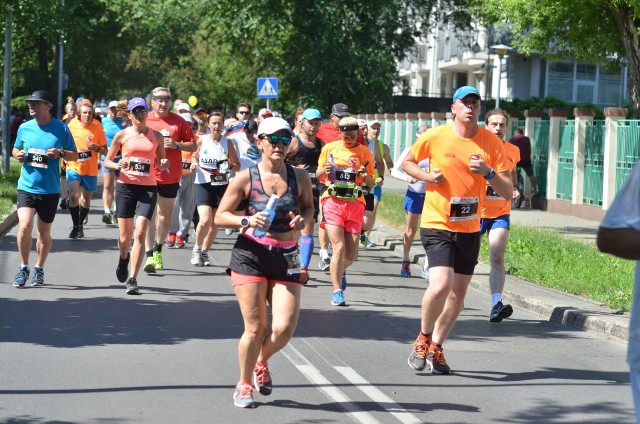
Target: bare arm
{"type": "Point", "coordinates": [621, 242]}
{"type": "Point", "coordinates": [237, 191]}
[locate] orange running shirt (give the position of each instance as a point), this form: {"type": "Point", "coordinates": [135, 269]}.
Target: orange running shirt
{"type": "Point", "coordinates": [344, 157]}
{"type": "Point", "coordinates": [491, 204]}
{"type": "Point", "coordinates": [178, 129]}
{"type": "Point", "coordinates": [453, 205]}
{"type": "Point", "coordinates": [140, 151]}
{"type": "Point", "coordinates": [87, 163]}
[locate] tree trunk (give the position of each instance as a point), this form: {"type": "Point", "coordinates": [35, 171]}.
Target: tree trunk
{"type": "Point", "coordinates": [629, 34]}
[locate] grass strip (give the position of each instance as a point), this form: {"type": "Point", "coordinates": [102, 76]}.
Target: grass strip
{"type": "Point", "coordinates": [547, 258]}
{"type": "Point", "coordinates": [8, 189]}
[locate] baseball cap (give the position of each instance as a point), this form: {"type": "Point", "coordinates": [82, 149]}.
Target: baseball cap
{"type": "Point", "coordinates": [340, 110]}
{"type": "Point", "coordinates": [39, 96]}
{"type": "Point", "coordinates": [373, 122]}
{"type": "Point", "coordinates": [201, 109]}
{"type": "Point", "coordinates": [99, 110]}
{"type": "Point", "coordinates": [465, 91]}
{"type": "Point", "coordinates": [362, 122]}
{"type": "Point", "coordinates": [137, 102]}
{"type": "Point", "coordinates": [310, 114]}
{"type": "Point", "coordinates": [273, 125]}
{"type": "Point", "coordinates": [265, 113]}
{"type": "Point", "coordinates": [112, 103]}
{"type": "Point", "coordinates": [183, 107]}
{"type": "Point", "coordinates": [186, 116]}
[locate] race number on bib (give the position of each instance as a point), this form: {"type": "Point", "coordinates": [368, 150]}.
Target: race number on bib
{"type": "Point", "coordinates": [219, 178]}
{"type": "Point", "coordinates": [186, 165]}
{"type": "Point", "coordinates": [463, 209]}
{"type": "Point", "coordinates": [139, 166]}
{"type": "Point", "coordinates": [84, 155]}
{"type": "Point", "coordinates": [37, 158]}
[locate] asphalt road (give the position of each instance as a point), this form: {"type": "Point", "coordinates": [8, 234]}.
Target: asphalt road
{"type": "Point", "coordinates": [78, 350]}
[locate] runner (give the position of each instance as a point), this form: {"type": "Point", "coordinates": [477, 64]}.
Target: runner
{"type": "Point", "coordinates": [345, 166]}
{"type": "Point", "coordinates": [266, 269]}
{"type": "Point", "coordinates": [136, 189]}
{"type": "Point", "coordinates": [177, 137]}
{"type": "Point", "coordinates": [213, 161]}
{"type": "Point", "coordinates": [82, 174]}
{"type": "Point", "coordinates": [40, 144]}
{"type": "Point", "coordinates": [369, 196]}
{"type": "Point", "coordinates": [304, 153]}
{"type": "Point", "coordinates": [460, 154]}
{"type": "Point", "coordinates": [112, 123]}
{"type": "Point", "coordinates": [495, 217]}
{"type": "Point", "coordinates": [185, 205]}
{"type": "Point", "coordinates": [413, 203]}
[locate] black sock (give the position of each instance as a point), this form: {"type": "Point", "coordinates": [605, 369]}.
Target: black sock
{"type": "Point", "coordinates": [125, 260]}
{"type": "Point", "coordinates": [83, 214]}
{"type": "Point", "coordinates": [149, 253]}
{"type": "Point", "coordinates": [75, 215]}
{"type": "Point", "coordinates": [157, 247]}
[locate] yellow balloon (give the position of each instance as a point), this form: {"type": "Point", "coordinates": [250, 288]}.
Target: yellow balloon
{"type": "Point", "coordinates": [193, 101]}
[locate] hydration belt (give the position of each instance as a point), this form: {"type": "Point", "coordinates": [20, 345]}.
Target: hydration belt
{"type": "Point", "coordinates": [344, 191]}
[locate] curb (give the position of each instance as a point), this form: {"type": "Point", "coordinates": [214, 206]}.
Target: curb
{"type": "Point", "coordinates": [8, 223]}
{"type": "Point", "coordinates": [553, 305]}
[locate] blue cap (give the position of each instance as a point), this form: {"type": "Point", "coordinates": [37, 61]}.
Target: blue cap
{"type": "Point", "coordinates": [465, 91]}
{"type": "Point", "coordinates": [137, 102]}
{"type": "Point", "coordinates": [310, 114]}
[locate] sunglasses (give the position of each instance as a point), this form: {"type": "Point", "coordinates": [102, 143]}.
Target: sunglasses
{"type": "Point", "coordinates": [244, 112]}
{"type": "Point", "coordinates": [139, 111]}
{"type": "Point", "coordinates": [273, 139]}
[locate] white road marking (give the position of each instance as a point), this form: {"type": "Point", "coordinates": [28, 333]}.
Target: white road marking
{"type": "Point", "coordinates": [334, 394]}
{"type": "Point", "coordinates": [377, 396]}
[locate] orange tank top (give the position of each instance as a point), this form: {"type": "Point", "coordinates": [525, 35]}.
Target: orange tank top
{"type": "Point", "coordinates": [140, 151]}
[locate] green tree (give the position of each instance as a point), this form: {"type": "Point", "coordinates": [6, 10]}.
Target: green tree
{"type": "Point", "coordinates": [596, 31]}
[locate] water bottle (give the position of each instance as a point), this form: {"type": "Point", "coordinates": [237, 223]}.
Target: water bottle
{"type": "Point", "coordinates": [271, 210]}
{"type": "Point", "coordinates": [332, 173]}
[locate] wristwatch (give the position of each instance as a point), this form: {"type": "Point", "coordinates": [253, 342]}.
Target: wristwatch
{"type": "Point", "coordinates": [244, 222]}
{"type": "Point", "coordinates": [490, 175]}
{"type": "Point", "coordinates": [178, 146]}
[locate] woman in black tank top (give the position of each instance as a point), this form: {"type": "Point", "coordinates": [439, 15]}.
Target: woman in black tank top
{"type": "Point", "coordinates": [266, 269]}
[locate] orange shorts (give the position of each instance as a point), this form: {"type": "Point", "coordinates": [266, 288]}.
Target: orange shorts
{"type": "Point", "coordinates": [239, 279]}
{"type": "Point", "coordinates": [348, 215]}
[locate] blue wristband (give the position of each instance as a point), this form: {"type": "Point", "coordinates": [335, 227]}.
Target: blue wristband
{"type": "Point", "coordinates": [490, 175]}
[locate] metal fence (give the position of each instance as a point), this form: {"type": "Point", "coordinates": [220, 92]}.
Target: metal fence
{"type": "Point", "coordinates": [594, 163]}
{"type": "Point", "coordinates": [628, 151]}
{"type": "Point", "coordinates": [540, 155]}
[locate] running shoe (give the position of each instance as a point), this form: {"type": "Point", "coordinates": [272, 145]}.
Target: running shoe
{"type": "Point", "coordinates": [122, 271]}
{"type": "Point", "coordinates": [132, 286]}
{"type": "Point", "coordinates": [425, 272]}
{"type": "Point", "coordinates": [343, 284]}
{"type": "Point", "coordinates": [205, 259]}
{"type": "Point", "coordinates": [228, 231]}
{"type": "Point", "coordinates": [149, 265]}
{"type": "Point", "coordinates": [405, 271]}
{"type": "Point", "coordinates": [243, 396]}
{"type": "Point", "coordinates": [262, 380]}
{"type": "Point", "coordinates": [64, 204]}
{"type": "Point", "coordinates": [338, 299]}
{"type": "Point", "coordinates": [435, 358]}
{"type": "Point", "coordinates": [21, 278]}
{"type": "Point", "coordinates": [74, 233]}
{"type": "Point", "coordinates": [370, 243]}
{"type": "Point", "coordinates": [171, 240]}
{"type": "Point", "coordinates": [304, 275]}
{"type": "Point", "coordinates": [500, 312]}
{"type": "Point", "coordinates": [180, 242]}
{"type": "Point", "coordinates": [324, 264]}
{"type": "Point", "coordinates": [81, 231]}
{"type": "Point", "coordinates": [86, 220]}
{"type": "Point", "coordinates": [106, 218]}
{"type": "Point", "coordinates": [418, 356]}
{"type": "Point", "coordinates": [38, 277]}
{"type": "Point", "coordinates": [363, 240]}
{"type": "Point", "coordinates": [157, 260]}
{"type": "Point", "coordinates": [196, 257]}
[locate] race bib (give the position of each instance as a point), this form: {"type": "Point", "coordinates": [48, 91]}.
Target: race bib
{"type": "Point", "coordinates": [492, 195]}
{"type": "Point", "coordinates": [219, 178]}
{"type": "Point", "coordinates": [293, 260]}
{"type": "Point", "coordinates": [139, 166]}
{"type": "Point", "coordinates": [37, 158]}
{"type": "Point", "coordinates": [463, 209]}
{"type": "Point", "coordinates": [84, 155]}
{"type": "Point", "coordinates": [346, 175]}
{"type": "Point", "coordinates": [186, 165]}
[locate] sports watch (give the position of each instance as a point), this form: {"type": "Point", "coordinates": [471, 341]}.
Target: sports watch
{"type": "Point", "coordinates": [244, 222]}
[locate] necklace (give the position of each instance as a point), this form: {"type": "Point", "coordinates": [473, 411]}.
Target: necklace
{"type": "Point", "coordinates": [273, 187]}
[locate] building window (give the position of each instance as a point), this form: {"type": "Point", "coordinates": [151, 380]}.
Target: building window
{"type": "Point", "coordinates": [560, 80]}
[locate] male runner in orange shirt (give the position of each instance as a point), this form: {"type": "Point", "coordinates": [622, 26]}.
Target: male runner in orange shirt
{"type": "Point", "coordinates": [462, 157]}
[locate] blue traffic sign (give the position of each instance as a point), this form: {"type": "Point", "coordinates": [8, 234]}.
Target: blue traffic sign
{"type": "Point", "coordinates": [267, 88]}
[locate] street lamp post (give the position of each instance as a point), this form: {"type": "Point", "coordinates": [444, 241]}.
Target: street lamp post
{"type": "Point", "coordinates": [501, 50]}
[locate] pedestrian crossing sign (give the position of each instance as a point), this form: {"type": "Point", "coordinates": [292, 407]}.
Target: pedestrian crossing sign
{"type": "Point", "coordinates": [267, 88]}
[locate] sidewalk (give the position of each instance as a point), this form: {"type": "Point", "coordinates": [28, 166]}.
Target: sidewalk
{"type": "Point", "coordinates": [553, 305]}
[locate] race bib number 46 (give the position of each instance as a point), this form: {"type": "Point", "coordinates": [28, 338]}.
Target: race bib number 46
{"type": "Point", "coordinates": [463, 209]}
{"type": "Point", "coordinates": [37, 158]}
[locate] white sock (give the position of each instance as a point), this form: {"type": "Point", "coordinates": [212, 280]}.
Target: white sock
{"type": "Point", "coordinates": [107, 210]}
{"type": "Point", "coordinates": [324, 254]}
{"type": "Point", "coordinates": [197, 247]}
{"type": "Point", "coordinates": [495, 298]}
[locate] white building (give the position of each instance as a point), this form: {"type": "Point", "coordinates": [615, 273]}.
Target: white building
{"type": "Point", "coordinates": [444, 61]}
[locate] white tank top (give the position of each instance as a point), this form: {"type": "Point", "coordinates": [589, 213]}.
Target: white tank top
{"type": "Point", "coordinates": [213, 162]}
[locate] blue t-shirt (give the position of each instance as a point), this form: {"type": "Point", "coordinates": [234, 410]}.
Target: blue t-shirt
{"type": "Point", "coordinates": [40, 174]}
{"type": "Point", "coordinates": [111, 128]}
